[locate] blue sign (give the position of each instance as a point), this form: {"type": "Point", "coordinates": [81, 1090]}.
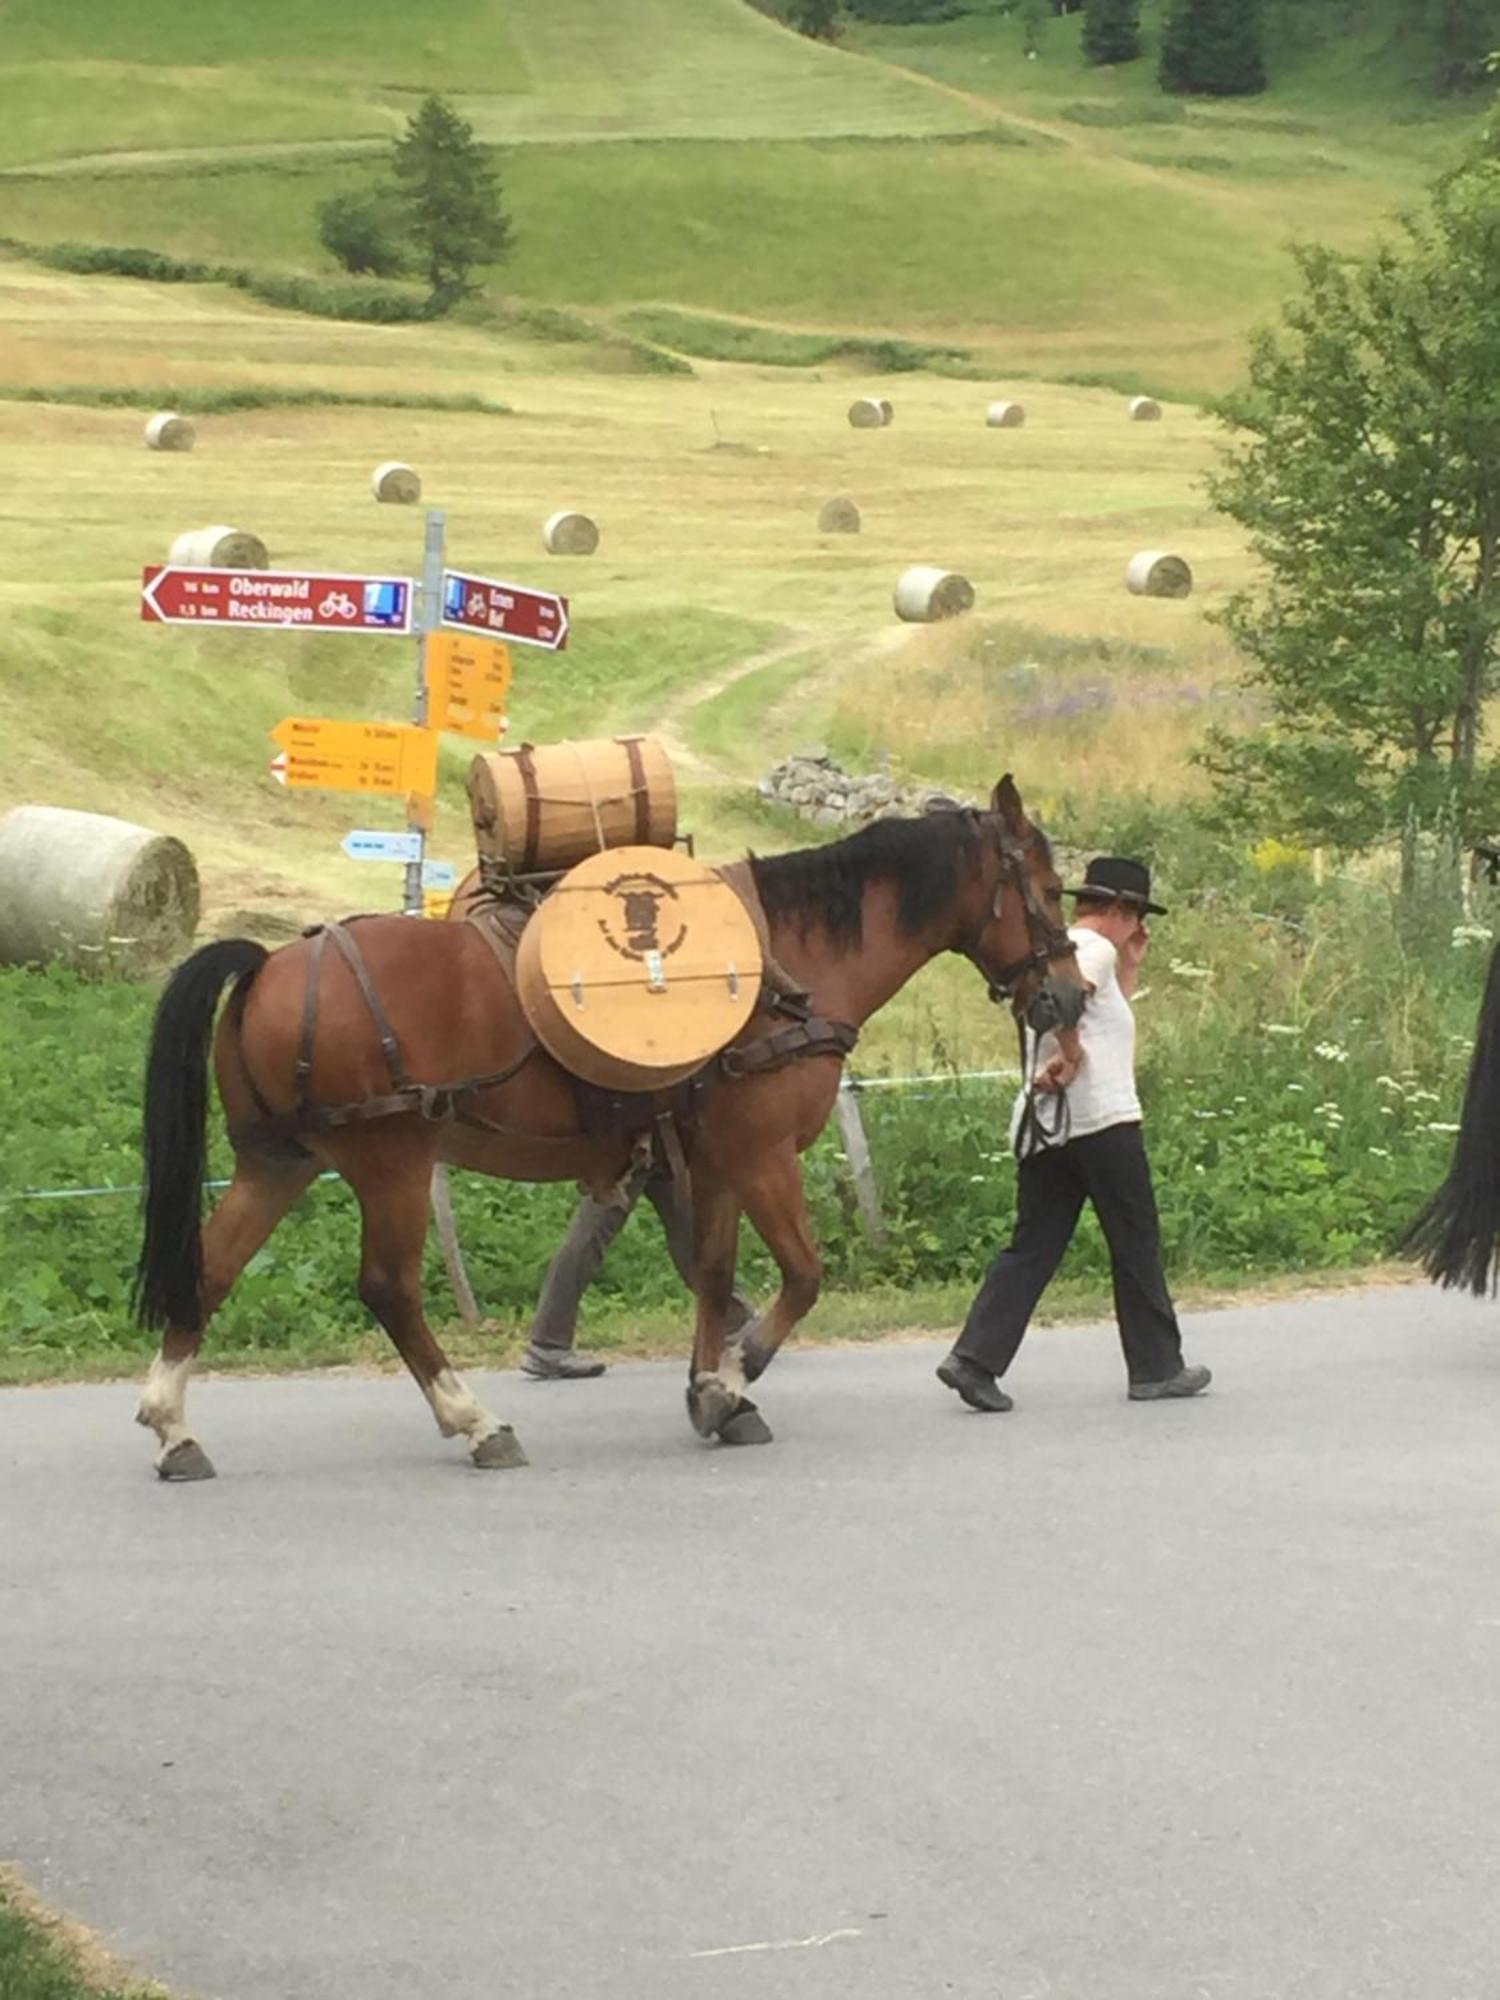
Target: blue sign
{"type": "Point", "coordinates": [371, 844]}
{"type": "Point", "coordinates": [439, 875]}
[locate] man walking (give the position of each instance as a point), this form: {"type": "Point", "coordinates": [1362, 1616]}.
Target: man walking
{"type": "Point", "coordinates": [1077, 1135]}
{"type": "Point", "coordinates": [550, 1354]}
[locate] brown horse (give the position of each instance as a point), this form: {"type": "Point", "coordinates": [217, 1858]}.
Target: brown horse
{"type": "Point", "coordinates": [307, 1035]}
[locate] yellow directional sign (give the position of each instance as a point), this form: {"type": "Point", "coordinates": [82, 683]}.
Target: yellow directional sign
{"type": "Point", "coordinates": [355, 756]}
{"type": "Point", "coordinates": [468, 681]}
{"type": "Point", "coordinates": [436, 902]}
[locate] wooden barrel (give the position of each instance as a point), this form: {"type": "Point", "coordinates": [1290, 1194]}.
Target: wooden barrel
{"type": "Point", "coordinates": [94, 893]}
{"type": "Point", "coordinates": [545, 806]}
{"type": "Point", "coordinates": [640, 966]}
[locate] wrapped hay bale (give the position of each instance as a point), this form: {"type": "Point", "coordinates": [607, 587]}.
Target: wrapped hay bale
{"type": "Point", "coordinates": [839, 517]}
{"type": "Point", "coordinates": [866, 414]}
{"type": "Point", "coordinates": [219, 548]}
{"type": "Point", "coordinates": [1145, 410]}
{"type": "Point", "coordinates": [396, 484]}
{"type": "Point", "coordinates": [926, 593]}
{"type": "Point", "coordinates": [94, 893]}
{"type": "Point", "coordinates": [1005, 416]}
{"type": "Point", "coordinates": [166, 431]}
{"type": "Point", "coordinates": [887, 409]}
{"type": "Point", "coordinates": [1153, 573]}
{"type": "Point", "coordinates": [570, 534]}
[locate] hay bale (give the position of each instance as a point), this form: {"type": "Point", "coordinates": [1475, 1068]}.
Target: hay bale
{"type": "Point", "coordinates": [868, 414]}
{"type": "Point", "coordinates": [570, 534]}
{"type": "Point", "coordinates": [1153, 573]}
{"type": "Point", "coordinates": [1145, 410]}
{"type": "Point", "coordinates": [94, 893]}
{"type": "Point", "coordinates": [395, 484]}
{"type": "Point", "coordinates": [219, 548]}
{"type": "Point", "coordinates": [1005, 416]}
{"type": "Point", "coordinates": [166, 431]}
{"type": "Point", "coordinates": [839, 517]}
{"type": "Point", "coordinates": [887, 409]}
{"type": "Point", "coordinates": [926, 593]}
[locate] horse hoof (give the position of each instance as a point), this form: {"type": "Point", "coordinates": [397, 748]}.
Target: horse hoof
{"type": "Point", "coordinates": [710, 1405]}
{"type": "Point", "coordinates": [499, 1452]}
{"type": "Point", "coordinates": [746, 1426]}
{"type": "Point", "coordinates": [753, 1358]}
{"type": "Point", "coordinates": [185, 1460]}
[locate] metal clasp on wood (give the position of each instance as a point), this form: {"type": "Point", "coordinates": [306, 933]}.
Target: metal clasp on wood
{"type": "Point", "coordinates": [656, 973]}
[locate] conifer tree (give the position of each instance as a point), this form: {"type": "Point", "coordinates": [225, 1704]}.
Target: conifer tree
{"type": "Point", "coordinates": [1111, 31]}
{"type": "Point", "coordinates": [1212, 48]}
{"type": "Point", "coordinates": [450, 199]}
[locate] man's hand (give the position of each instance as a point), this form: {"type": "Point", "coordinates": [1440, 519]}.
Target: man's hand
{"type": "Point", "coordinates": [1057, 1074]}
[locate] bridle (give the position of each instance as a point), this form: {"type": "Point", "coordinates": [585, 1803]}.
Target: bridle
{"type": "Point", "coordinates": [1048, 939]}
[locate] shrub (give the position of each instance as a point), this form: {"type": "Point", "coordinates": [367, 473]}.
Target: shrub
{"type": "Point", "coordinates": [357, 230]}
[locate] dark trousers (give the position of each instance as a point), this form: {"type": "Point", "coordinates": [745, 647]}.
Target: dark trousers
{"type": "Point", "coordinates": [594, 1227]}
{"type": "Point", "coordinates": [1110, 1169]}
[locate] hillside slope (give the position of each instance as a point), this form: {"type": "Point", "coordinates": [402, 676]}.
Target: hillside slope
{"type": "Point", "coordinates": [98, 76]}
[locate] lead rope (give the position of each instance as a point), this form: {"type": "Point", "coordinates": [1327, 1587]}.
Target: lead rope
{"type": "Point", "coordinates": [1033, 1134]}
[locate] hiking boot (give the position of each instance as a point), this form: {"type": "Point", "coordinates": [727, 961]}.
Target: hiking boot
{"type": "Point", "coordinates": [1186, 1382]}
{"type": "Point", "coordinates": [976, 1385]}
{"type": "Point", "coordinates": [559, 1364]}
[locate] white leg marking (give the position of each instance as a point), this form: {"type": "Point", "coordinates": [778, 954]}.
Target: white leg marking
{"type": "Point", "coordinates": [458, 1410]}
{"type": "Point", "coordinates": [163, 1406]}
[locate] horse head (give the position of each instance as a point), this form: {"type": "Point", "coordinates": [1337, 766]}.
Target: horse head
{"type": "Point", "coordinates": [1022, 945]}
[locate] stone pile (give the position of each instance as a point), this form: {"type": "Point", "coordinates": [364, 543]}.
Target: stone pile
{"type": "Point", "coordinates": [817, 788]}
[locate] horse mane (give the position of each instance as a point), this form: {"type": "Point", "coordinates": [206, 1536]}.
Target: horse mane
{"type": "Point", "coordinates": [826, 885]}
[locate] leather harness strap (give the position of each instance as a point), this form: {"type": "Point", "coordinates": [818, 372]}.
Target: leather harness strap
{"type": "Point", "coordinates": [639, 787]}
{"type": "Point", "coordinates": [526, 765]}
{"type": "Point", "coordinates": [813, 1037]}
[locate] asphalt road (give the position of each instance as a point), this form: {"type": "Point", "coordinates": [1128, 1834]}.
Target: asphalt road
{"type": "Point", "coordinates": [1096, 1701]}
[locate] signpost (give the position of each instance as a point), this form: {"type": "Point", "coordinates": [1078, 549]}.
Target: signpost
{"type": "Point", "coordinates": [372, 844]}
{"type": "Point", "coordinates": [505, 610]}
{"type": "Point", "coordinates": [468, 682]}
{"type": "Point", "coordinates": [394, 758]}
{"type": "Point", "coordinates": [285, 599]}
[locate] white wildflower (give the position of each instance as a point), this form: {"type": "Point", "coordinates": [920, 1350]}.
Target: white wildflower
{"type": "Point", "coordinates": [1387, 1083]}
{"type": "Point", "coordinates": [1424, 1097]}
{"type": "Point", "coordinates": [1296, 1086]}
{"type": "Point", "coordinates": [1467, 934]}
{"type": "Point", "coordinates": [1388, 1111]}
{"type": "Point", "coordinates": [1379, 1152]}
{"type": "Point", "coordinates": [1331, 1052]}
{"type": "Point", "coordinates": [1439, 1127]}
{"type": "Point", "coordinates": [1281, 1028]}
{"type": "Point", "coordinates": [1185, 971]}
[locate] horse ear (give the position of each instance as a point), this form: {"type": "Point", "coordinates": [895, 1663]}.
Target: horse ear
{"type": "Point", "coordinates": [1006, 801]}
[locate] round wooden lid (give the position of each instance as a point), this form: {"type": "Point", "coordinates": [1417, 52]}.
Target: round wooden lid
{"type": "Point", "coordinates": [640, 965]}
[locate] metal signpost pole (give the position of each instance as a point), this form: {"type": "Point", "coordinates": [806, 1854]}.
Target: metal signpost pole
{"type": "Point", "coordinates": [429, 616]}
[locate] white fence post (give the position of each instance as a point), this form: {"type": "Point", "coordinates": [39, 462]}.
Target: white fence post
{"type": "Point", "coordinates": [857, 1153]}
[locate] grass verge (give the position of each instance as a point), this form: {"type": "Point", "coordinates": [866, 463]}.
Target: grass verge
{"type": "Point", "coordinates": [46, 1957]}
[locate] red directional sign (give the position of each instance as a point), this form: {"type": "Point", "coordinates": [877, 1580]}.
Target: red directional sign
{"type": "Point", "coordinates": [276, 598]}
{"type": "Point", "coordinates": [505, 610]}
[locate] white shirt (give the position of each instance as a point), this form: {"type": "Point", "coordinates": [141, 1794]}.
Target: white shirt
{"type": "Point", "coordinates": [1103, 1092]}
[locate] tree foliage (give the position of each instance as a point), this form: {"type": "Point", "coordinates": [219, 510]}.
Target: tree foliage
{"type": "Point", "coordinates": [358, 229]}
{"type": "Point", "coordinates": [1111, 31]}
{"type": "Point", "coordinates": [817, 18]}
{"type": "Point", "coordinates": [449, 195]}
{"type": "Point", "coordinates": [1212, 48]}
{"type": "Point", "coordinates": [1369, 481]}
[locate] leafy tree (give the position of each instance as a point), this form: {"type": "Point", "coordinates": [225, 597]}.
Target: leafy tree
{"type": "Point", "coordinates": [1212, 48]}
{"type": "Point", "coordinates": [357, 230]}
{"type": "Point", "coordinates": [1369, 481]}
{"type": "Point", "coordinates": [818, 18]}
{"type": "Point", "coordinates": [1111, 31]}
{"type": "Point", "coordinates": [450, 200]}
{"type": "Point", "coordinates": [1465, 32]}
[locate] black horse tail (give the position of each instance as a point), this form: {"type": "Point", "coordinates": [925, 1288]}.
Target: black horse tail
{"type": "Point", "coordinates": [174, 1139]}
{"type": "Point", "coordinates": [1455, 1235]}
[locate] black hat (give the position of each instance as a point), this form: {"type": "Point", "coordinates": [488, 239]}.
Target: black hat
{"type": "Point", "coordinates": [1111, 878]}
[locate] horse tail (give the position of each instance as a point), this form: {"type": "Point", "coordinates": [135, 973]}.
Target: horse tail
{"type": "Point", "coordinates": [1454, 1236]}
{"type": "Point", "coordinates": [168, 1287]}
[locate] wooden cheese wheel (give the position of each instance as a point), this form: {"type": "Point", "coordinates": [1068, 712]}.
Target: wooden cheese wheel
{"type": "Point", "coordinates": [640, 966]}
{"type": "Point", "coordinates": [545, 806]}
